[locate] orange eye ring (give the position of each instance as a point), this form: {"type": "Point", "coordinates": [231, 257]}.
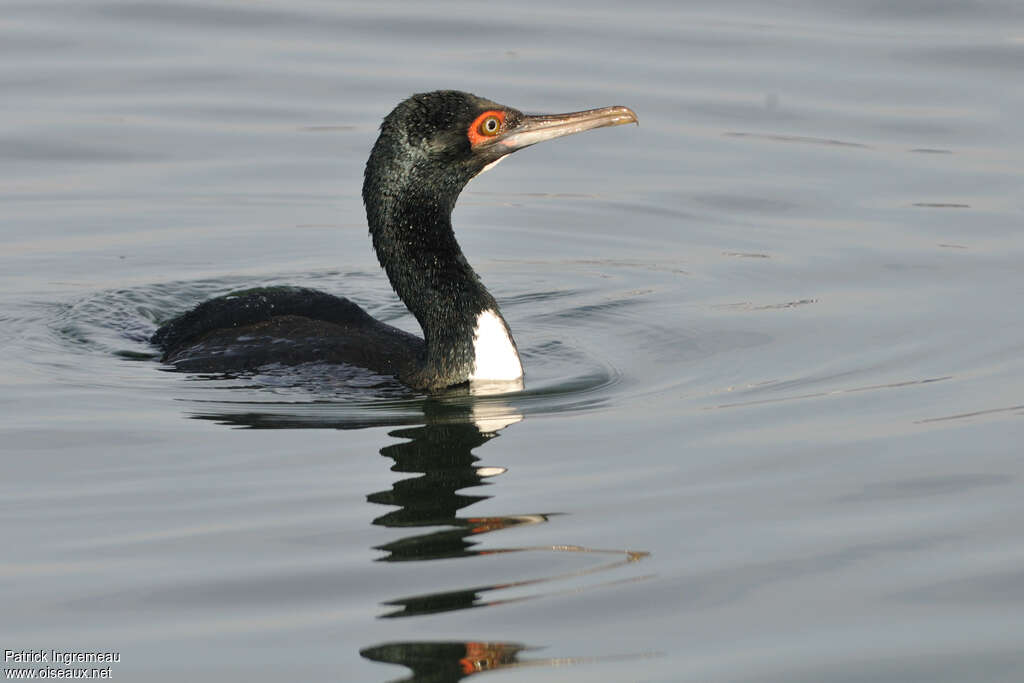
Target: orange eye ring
{"type": "Point", "coordinates": [485, 126]}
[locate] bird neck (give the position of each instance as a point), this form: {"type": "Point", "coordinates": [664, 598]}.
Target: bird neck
{"type": "Point", "coordinates": [466, 336]}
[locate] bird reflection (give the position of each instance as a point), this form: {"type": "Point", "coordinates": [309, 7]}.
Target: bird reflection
{"type": "Point", "coordinates": [453, 661]}
{"type": "Point", "coordinates": [445, 662]}
{"type": "Point", "coordinates": [441, 455]}
{"type": "Point", "coordinates": [438, 454]}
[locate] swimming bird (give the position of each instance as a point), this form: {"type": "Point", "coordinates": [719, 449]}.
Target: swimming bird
{"type": "Point", "coordinates": [429, 147]}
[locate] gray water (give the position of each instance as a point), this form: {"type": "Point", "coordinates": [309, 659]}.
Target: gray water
{"type": "Point", "coordinates": [772, 422]}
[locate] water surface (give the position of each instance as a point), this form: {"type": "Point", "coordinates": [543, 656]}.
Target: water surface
{"type": "Point", "coordinates": [772, 419]}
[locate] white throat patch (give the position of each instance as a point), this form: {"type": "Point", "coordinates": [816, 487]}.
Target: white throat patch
{"type": "Point", "coordinates": [496, 356]}
{"type": "Point", "coordinates": [491, 165]}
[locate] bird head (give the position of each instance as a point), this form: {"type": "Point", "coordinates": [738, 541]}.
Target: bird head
{"type": "Point", "coordinates": [437, 141]}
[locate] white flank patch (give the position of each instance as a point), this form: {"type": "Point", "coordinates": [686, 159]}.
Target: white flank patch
{"type": "Point", "coordinates": [496, 357]}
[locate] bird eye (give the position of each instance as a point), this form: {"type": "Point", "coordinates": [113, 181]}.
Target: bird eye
{"type": "Point", "coordinates": [490, 125]}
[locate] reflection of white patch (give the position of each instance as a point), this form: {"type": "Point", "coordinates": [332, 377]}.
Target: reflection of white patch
{"type": "Point", "coordinates": [495, 387]}
{"type": "Point", "coordinates": [491, 165]}
{"type": "Point", "coordinates": [495, 354]}
{"type": "Point", "coordinates": [489, 415]}
{"type": "Point", "coordinates": [490, 471]}
{"type": "Point", "coordinates": [491, 418]}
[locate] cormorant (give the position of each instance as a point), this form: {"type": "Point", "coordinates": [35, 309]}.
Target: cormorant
{"type": "Point", "coordinates": [429, 147]}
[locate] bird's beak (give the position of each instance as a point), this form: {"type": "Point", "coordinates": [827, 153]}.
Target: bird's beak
{"type": "Point", "coordinates": [534, 128]}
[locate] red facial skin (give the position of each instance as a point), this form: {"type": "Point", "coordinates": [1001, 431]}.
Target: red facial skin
{"type": "Point", "coordinates": [476, 132]}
